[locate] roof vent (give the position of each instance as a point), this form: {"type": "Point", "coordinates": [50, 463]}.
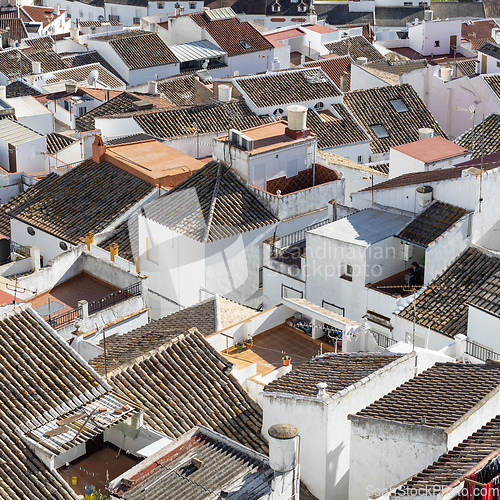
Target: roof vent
{"type": "Point", "coordinates": [422, 418]}
{"type": "Point", "coordinates": [424, 196]}
{"type": "Point", "coordinates": [360, 61]}
{"type": "Point", "coordinates": [425, 133]}
{"type": "Point", "coordinates": [428, 15]}
{"type": "Point", "coordinates": [321, 386]}
{"type": "Point", "coordinates": [142, 105]}
{"type": "Point", "coordinates": [196, 463]}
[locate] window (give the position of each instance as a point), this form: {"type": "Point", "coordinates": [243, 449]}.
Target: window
{"type": "Point", "coordinates": [399, 105]}
{"type": "Point", "coordinates": [161, 5]}
{"type": "Point", "coordinates": [498, 64]}
{"type": "Point", "coordinates": [276, 7]}
{"type": "Point", "coordinates": [192, 5]}
{"type": "Point", "coordinates": [31, 231]}
{"type": "Point", "coordinates": [66, 105]}
{"type": "Point", "coordinates": [63, 246]}
{"type": "Point", "coordinates": [436, 43]}
{"type": "Point", "coordinates": [81, 14]}
{"type": "Point", "coordinates": [346, 271]}
{"type": "Point", "coordinates": [380, 131]}
{"type": "Point", "coordinates": [82, 111]}
{"type": "Point", "coordinates": [245, 44]}
{"type": "Point", "coordinates": [302, 7]}
{"type": "Point", "coordinates": [360, 159]}
{"type": "Point", "coordinates": [287, 292]}
{"type": "Point", "coordinates": [408, 4]}
{"type": "Point", "coordinates": [319, 105]}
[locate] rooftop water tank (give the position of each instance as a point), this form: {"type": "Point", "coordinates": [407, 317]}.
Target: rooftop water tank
{"type": "Point", "coordinates": [297, 117]}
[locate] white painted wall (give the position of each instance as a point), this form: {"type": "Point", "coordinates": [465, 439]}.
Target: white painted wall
{"type": "Point", "coordinates": [423, 37]}
{"type": "Point", "coordinates": [489, 64]}
{"type": "Point", "coordinates": [324, 427]}
{"type": "Point", "coordinates": [362, 79]}
{"type": "Point", "coordinates": [358, 152]}
{"type": "Point", "coordinates": [29, 155]}
{"type": "Point", "coordinates": [482, 327]}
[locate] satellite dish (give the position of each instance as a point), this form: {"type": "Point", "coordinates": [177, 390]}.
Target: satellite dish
{"type": "Point", "coordinates": [93, 76]}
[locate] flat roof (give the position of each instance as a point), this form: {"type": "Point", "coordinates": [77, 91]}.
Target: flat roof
{"type": "Point", "coordinates": [320, 28]}
{"type": "Point", "coordinates": [268, 137]}
{"type": "Point", "coordinates": [154, 159]}
{"type": "Point", "coordinates": [432, 149]}
{"type": "Point", "coordinates": [283, 35]}
{"type": "Point", "coordinates": [16, 133]}
{"type": "Point", "coordinates": [27, 106]}
{"type": "Point", "coordinates": [364, 227]}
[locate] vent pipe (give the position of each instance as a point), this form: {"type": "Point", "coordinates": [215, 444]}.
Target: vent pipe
{"type": "Point", "coordinates": [56, 10]}
{"type": "Point", "coordinates": [153, 87]}
{"type": "Point", "coordinates": [424, 197]}
{"type": "Point", "coordinates": [36, 66]}
{"type": "Point", "coordinates": [360, 61]}
{"type": "Point", "coordinates": [428, 15]}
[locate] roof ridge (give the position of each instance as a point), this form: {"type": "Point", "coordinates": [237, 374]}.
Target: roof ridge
{"type": "Point", "coordinates": [215, 194]}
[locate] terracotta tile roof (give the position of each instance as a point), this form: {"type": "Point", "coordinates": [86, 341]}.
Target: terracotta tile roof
{"type": "Point", "coordinates": [432, 150]}
{"type": "Point", "coordinates": [239, 6]}
{"type": "Point", "coordinates": [210, 205]}
{"type": "Point", "coordinates": [144, 50]}
{"type": "Point", "coordinates": [16, 28]}
{"type": "Point", "coordinates": [431, 223]}
{"type": "Point", "coordinates": [50, 60]}
{"type": "Point", "coordinates": [42, 43]}
{"type": "Point", "coordinates": [287, 87]}
{"type": "Point", "coordinates": [212, 118]}
{"type": "Point", "coordinates": [472, 30]}
{"type": "Point", "coordinates": [44, 15]}
{"type": "Point", "coordinates": [86, 199]}
{"type": "Point", "coordinates": [373, 107]}
{"type": "Point", "coordinates": [122, 103]}
{"type": "Point", "coordinates": [91, 57]}
{"type": "Point", "coordinates": [39, 374]}
{"type": "Point", "coordinates": [178, 90]}
{"type": "Point", "coordinates": [129, 139]}
{"type": "Point", "coordinates": [81, 74]}
{"type": "Point", "coordinates": [56, 142]}
{"type": "Point", "coordinates": [13, 61]}
{"type": "Point", "coordinates": [478, 43]}
{"type": "Point", "coordinates": [487, 296]}
{"type": "Point", "coordinates": [457, 462]}
{"type": "Point", "coordinates": [122, 239]}
{"type": "Point", "coordinates": [484, 138]}
{"type": "Point", "coordinates": [87, 24]}
{"type": "Point", "coordinates": [19, 88]}
{"type": "Point", "coordinates": [420, 178]}
{"type": "Point", "coordinates": [490, 49]}
{"type": "Point", "coordinates": [23, 197]}
{"type": "Point", "coordinates": [491, 8]}
{"type": "Point", "coordinates": [228, 33]}
{"type": "Point", "coordinates": [356, 46]}
{"type": "Point", "coordinates": [390, 71]}
{"type": "Point", "coordinates": [226, 467]}
{"type": "Point", "coordinates": [186, 383]}
{"type": "Point", "coordinates": [368, 32]}
{"type": "Point", "coordinates": [332, 131]}
{"type": "Point", "coordinates": [334, 67]}
{"type": "Point", "coordinates": [442, 307]}
{"type": "Point", "coordinates": [467, 67]}
{"type": "Point", "coordinates": [434, 394]}
{"type": "Point", "coordinates": [338, 371]}
{"type": "Point", "coordinates": [101, 94]}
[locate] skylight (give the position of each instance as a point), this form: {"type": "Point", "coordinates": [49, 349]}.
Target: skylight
{"type": "Point", "coordinates": [380, 131]}
{"type": "Point", "coordinates": [245, 44]}
{"type": "Point", "coordinates": [399, 105]}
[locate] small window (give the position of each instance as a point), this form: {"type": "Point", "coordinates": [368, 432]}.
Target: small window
{"type": "Point", "coordinates": [63, 246]}
{"type": "Point", "coordinates": [161, 5]}
{"type": "Point", "coordinates": [436, 43]}
{"type": "Point", "coordinates": [380, 131]}
{"type": "Point", "coordinates": [498, 64]}
{"type": "Point", "coordinates": [82, 111]}
{"type": "Point", "coordinates": [66, 105]}
{"type": "Point", "coordinates": [302, 7]}
{"type": "Point", "coordinates": [399, 105]}
{"type": "Point", "coordinates": [276, 7]}
{"type": "Point", "coordinates": [245, 44]}
{"type": "Point", "coordinates": [346, 271]}
{"type": "Point", "coordinates": [319, 105]}
{"type": "Point", "coordinates": [360, 159]}
{"type": "Point", "coordinates": [278, 112]}
{"type": "Point", "coordinates": [408, 4]}
{"type": "Point", "coordinates": [81, 13]}
{"type": "Point", "coordinates": [31, 231]}
{"type": "Point", "coordinates": [192, 5]}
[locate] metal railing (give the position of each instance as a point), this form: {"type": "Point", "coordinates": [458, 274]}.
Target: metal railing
{"type": "Point", "coordinates": [114, 298]}
{"type": "Point", "coordinates": [59, 320]}
{"type": "Point", "coordinates": [300, 235]}
{"type": "Point", "coordinates": [480, 352]}
{"type": "Point", "coordinates": [330, 306]}
{"type": "Point", "coordinates": [112, 17]}
{"type": "Point", "coordinates": [19, 249]}
{"type": "Point", "coordinates": [383, 340]}
{"type": "Point", "coordinates": [137, 20]}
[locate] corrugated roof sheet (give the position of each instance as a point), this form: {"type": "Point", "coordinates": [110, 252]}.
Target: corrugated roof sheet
{"type": "Point", "coordinates": [15, 133]}
{"type": "Point", "coordinates": [194, 51]}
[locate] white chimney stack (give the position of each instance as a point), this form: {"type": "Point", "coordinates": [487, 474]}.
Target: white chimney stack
{"type": "Point", "coordinates": [153, 87]}
{"type": "Point", "coordinates": [343, 82]}
{"type": "Point", "coordinates": [36, 67]}
{"type": "Point", "coordinates": [283, 447]}
{"type": "Point", "coordinates": [478, 66]}
{"type": "Point", "coordinates": [321, 386]}
{"type": "Point", "coordinates": [74, 33]}
{"type": "Point", "coordinates": [56, 10]}
{"type": "Point", "coordinates": [360, 61]}
{"type": "Point", "coordinates": [3, 92]}
{"type": "Point", "coordinates": [425, 133]}
{"type": "Point", "coordinates": [446, 74]}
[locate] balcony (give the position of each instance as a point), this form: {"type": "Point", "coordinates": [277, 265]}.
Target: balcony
{"type": "Point", "coordinates": [112, 17]}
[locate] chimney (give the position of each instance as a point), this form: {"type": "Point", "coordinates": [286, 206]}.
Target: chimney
{"type": "Point", "coordinates": [360, 61]}
{"type": "Point", "coordinates": [425, 133]}
{"type": "Point", "coordinates": [321, 386]}
{"type": "Point", "coordinates": [478, 66]}
{"type": "Point", "coordinates": [36, 67]}
{"type": "Point", "coordinates": [56, 10]}
{"type": "Point", "coordinates": [3, 92]}
{"type": "Point", "coordinates": [98, 149]}
{"type": "Point", "coordinates": [343, 82]}
{"type": "Point", "coordinates": [283, 447]}
{"type": "Point", "coordinates": [74, 33]}
{"type": "Point", "coordinates": [153, 87]}
{"type": "Point", "coordinates": [224, 93]}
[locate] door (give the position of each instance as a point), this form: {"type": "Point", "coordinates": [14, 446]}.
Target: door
{"type": "Point", "coordinates": [12, 158]}
{"type": "Point", "coordinates": [484, 64]}
{"type": "Point", "coordinates": [453, 44]}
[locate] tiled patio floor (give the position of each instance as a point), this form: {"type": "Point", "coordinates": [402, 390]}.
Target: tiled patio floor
{"type": "Point", "coordinates": [268, 348]}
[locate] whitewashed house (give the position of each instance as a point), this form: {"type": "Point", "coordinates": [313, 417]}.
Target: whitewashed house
{"type": "Point", "coordinates": [52, 20]}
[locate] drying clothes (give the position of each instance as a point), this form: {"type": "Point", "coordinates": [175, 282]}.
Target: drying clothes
{"type": "Point", "coordinates": [468, 489]}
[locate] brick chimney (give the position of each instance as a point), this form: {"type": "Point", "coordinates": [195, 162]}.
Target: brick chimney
{"type": "Point", "coordinates": [98, 149]}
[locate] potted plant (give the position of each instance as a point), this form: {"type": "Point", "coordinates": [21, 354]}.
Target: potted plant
{"type": "Point", "coordinates": [286, 359]}
{"type": "Point", "coordinates": [239, 346]}
{"type": "Point", "coordinates": [249, 342]}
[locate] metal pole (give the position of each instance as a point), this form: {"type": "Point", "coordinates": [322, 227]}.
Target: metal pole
{"type": "Point", "coordinates": [105, 357]}
{"type": "Point", "coordinates": [481, 178]}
